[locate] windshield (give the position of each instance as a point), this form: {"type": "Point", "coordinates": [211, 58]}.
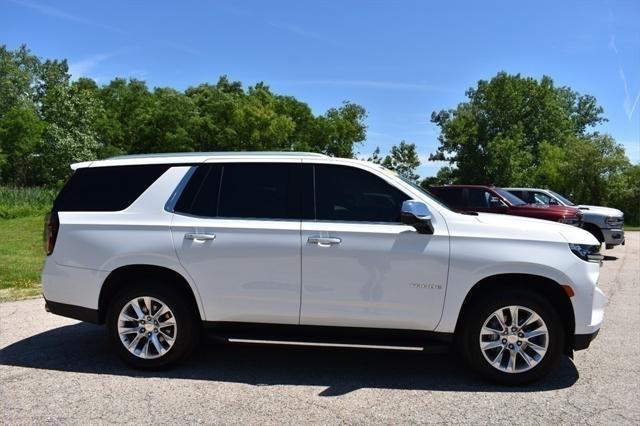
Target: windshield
{"type": "Point", "coordinates": [562, 199]}
{"type": "Point", "coordinates": [510, 197]}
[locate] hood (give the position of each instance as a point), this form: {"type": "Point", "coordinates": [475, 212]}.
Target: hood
{"type": "Point", "coordinates": [607, 211]}
{"type": "Point", "coordinates": [551, 208]}
{"type": "Point", "coordinates": [525, 228]}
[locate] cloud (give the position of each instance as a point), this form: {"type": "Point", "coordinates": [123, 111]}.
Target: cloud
{"type": "Point", "coordinates": [57, 13]}
{"type": "Point", "coordinates": [628, 103]}
{"type": "Point", "coordinates": [299, 31]}
{"type": "Point", "coordinates": [85, 65]}
{"type": "Point", "coordinates": [612, 44]}
{"type": "Point", "coordinates": [371, 84]}
{"type": "Point", "coordinates": [188, 49]}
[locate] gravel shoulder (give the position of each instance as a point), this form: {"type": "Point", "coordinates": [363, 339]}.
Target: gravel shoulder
{"type": "Point", "coordinates": [58, 370]}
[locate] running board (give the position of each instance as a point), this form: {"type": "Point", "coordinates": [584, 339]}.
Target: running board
{"type": "Point", "coordinates": [313, 335]}
{"type": "Point", "coordinates": [328, 345]}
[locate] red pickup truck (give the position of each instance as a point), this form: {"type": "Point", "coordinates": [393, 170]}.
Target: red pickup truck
{"type": "Point", "coordinates": [489, 199]}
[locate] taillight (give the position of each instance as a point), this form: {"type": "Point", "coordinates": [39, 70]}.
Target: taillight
{"type": "Point", "coordinates": [51, 225]}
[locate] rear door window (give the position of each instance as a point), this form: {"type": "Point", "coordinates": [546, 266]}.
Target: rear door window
{"type": "Point", "coordinates": [243, 191]}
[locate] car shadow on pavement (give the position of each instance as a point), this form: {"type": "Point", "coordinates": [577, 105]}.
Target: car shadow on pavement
{"type": "Point", "coordinates": [83, 348]}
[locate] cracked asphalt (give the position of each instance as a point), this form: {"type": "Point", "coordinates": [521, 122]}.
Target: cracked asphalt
{"type": "Point", "coordinates": [57, 370]}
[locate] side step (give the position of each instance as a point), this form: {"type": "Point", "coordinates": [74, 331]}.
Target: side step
{"type": "Point", "coordinates": [349, 337]}
{"type": "Point", "coordinates": [329, 345]}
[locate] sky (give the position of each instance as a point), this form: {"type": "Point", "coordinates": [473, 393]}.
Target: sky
{"type": "Point", "coordinates": [401, 60]}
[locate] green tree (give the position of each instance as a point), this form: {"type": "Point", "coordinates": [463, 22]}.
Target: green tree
{"type": "Point", "coordinates": [496, 136]}
{"type": "Point", "coordinates": [583, 168]}
{"type": "Point", "coordinates": [624, 193]}
{"type": "Point", "coordinates": [375, 157]}
{"type": "Point", "coordinates": [127, 107]}
{"type": "Point", "coordinates": [404, 160]}
{"type": "Point", "coordinates": [48, 121]}
{"type": "Point", "coordinates": [20, 137]}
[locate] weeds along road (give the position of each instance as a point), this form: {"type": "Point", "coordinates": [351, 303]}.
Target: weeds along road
{"type": "Point", "coordinates": [57, 370]}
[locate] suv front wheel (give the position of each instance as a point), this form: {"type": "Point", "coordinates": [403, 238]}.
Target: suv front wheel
{"type": "Point", "coordinates": [512, 339]}
{"type": "Point", "coordinates": [151, 326]}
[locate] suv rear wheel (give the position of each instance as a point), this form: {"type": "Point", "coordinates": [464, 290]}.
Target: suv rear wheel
{"type": "Point", "coordinates": [512, 338]}
{"type": "Point", "coordinates": [152, 326]}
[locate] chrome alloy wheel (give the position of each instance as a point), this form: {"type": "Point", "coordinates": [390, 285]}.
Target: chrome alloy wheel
{"type": "Point", "coordinates": [514, 339]}
{"type": "Point", "coordinates": [147, 327]}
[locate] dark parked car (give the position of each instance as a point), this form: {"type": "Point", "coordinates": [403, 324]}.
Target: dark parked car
{"type": "Point", "coordinates": [489, 199]}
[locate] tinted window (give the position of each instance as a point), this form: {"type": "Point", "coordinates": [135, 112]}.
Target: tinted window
{"type": "Point", "coordinates": [348, 194]}
{"type": "Point", "coordinates": [562, 199]}
{"type": "Point", "coordinates": [539, 198]}
{"type": "Point", "coordinates": [106, 188]}
{"type": "Point", "coordinates": [523, 195]}
{"type": "Point", "coordinates": [200, 195]}
{"type": "Point", "coordinates": [243, 190]}
{"type": "Point", "coordinates": [510, 197]}
{"type": "Point", "coordinates": [264, 191]}
{"type": "Point", "coordinates": [479, 198]}
{"type": "Point", "coordinates": [451, 196]}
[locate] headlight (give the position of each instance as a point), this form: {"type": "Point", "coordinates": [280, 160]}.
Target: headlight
{"type": "Point", "coordinates": [611, 220]}
{"type": "Point", "coordinates": [587, 252]}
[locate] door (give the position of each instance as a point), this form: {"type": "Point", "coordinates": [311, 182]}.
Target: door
{"type": "Point", "coordinates": [237, 232]}
{"type": "Point", "coordinates": [360, 266]}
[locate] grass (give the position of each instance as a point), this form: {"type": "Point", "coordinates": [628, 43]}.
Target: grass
{"type": "Point", "coordinates": [631, 228]}
{"type": "Point", "coordinates": [23, 202]}
{"type": "Point", "coordinates": [21, 257]}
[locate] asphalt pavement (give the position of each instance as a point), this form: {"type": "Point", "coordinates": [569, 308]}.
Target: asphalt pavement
{"type": "Point", "coordinates": [57, 370]}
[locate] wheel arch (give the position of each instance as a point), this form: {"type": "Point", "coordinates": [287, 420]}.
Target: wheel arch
{"type": "Point", "coordinates": [119, 277]}
{"type": "Point", "coordinates": [594, 230]}
{"type": "Point", "coordinates": [548, 288]}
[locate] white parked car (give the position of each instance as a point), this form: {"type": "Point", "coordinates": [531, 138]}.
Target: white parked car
{"type": "Point", "coordinates": [605, 223]}
{"type": "Point", "coordinates": [301, 247]}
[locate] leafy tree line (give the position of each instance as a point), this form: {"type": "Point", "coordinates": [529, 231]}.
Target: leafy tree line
{"type": "Point", "coordinates": [511, 130]}
{"type": "Point", "coordinates": [48, 121]}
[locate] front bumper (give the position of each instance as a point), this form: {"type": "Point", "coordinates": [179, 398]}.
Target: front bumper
{"type": "Point", "coordinates": [613, 236]}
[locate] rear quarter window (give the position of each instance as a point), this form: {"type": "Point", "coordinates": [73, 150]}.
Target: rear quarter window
{"type": "Point", "coordinates": [107, 189]}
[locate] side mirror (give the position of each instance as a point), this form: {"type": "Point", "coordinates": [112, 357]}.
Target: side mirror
{"type": "Point", "coordinates": [416, 213]}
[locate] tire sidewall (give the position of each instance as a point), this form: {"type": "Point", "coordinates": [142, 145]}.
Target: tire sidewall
{"type": "Point", "coordinates": [479, 313]}
{"type": "Point", "coordinates": [186, 321]}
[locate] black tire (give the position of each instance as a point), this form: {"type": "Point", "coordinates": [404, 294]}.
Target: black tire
{"type": "Point", "coordinates": [187, 321]}
{"type": "Point", "coordinates": [595, 231]}
{"type": "Point", "coordinates": [482, 308]}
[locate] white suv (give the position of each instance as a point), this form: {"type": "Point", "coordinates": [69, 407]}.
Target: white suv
{"type": "Point", "coordinates": [294, 247]}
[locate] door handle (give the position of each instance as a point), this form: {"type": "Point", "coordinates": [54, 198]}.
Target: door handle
{"type": "Point", "coordinates": [199, 237]}
{"type": "Point", "coordinates": [324, 241]}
